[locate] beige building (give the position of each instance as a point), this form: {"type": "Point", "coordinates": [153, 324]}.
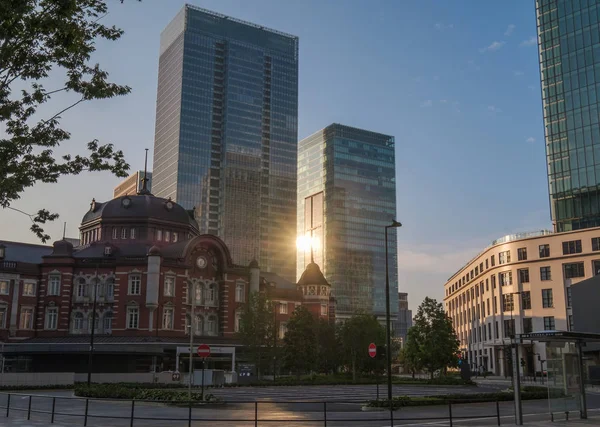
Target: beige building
{"type": "Point", "coordinates": [132, 184]}
{"type": "Point", "coordinates": [541, 266]}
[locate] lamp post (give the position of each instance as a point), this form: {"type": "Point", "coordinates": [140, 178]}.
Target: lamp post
{"type": "Point", "coordinates": [395, 224]}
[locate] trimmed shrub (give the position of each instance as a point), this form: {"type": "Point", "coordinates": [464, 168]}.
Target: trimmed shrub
{"type": "Point", "coordinates": [129, 392]}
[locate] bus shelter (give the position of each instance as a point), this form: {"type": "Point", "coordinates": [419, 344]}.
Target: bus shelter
{"type": "Point", "coordinates": [565, 370]}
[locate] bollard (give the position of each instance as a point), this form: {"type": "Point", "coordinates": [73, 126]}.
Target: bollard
{"type": "Point", "coordinates": [498, 411]}
{"type": "Point", "coordinates": [325, 413]}
{"type": "Point", "coordinates": [450, 412]}
{"type": "Point", "coordinates": [29, 409]}
{"type": "Point", "coordinates": [132, 413]}
{"type": "Point", "coordinates": [8, 405]}
{"type": "Point", "coordinates": [53, 407]}
{"type": "Point", "coordinates": [255, 413]}
{"type": "Point", "coordinates": [87, 403]}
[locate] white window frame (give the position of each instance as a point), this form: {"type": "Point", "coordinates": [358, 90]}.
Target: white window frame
{"type": "Point", "coordinates": [123, 232]}
{"type": "Point", "coordinates": [51, 322]}
{"type": "Point", "coordinates": [78, 316]}
{"type": "Point", "coordinates": [3, 313]}
{"type": "Point", "coordinates": [30, 286]}
{"type": "Point", "coordinates": [132, 233]}
{"type": "Point", "coordinates": [4, 287]}
{"type": "Point", "coordinates": [168, 318]}
{"type": "Point", "coordinates": [198, 325]}
{"type": "Point", "coordinates": [283, 308]}
{"type": "Point", "coordinates": [240, 292]}
{"type": "Point", "coordinates": [23, 325]}
{"type": "Point", "coordinates": [81, 288]}
{"type": "Point", "coordinates": [237, 321]}
{"type": "Point", "coordinates": [211, 324]}
{"type": "Point", "coordinates": [134, 287]}
{"type": "Point", "coordinates": [133, 318]}
{"type": "Point", "coordinates": [211, 294]}
{"type": "Point", "coordinates": [54, 284]}
{"type": "Point", "coordinates": [324, 309]}
{"type": "Point", "coordinates": [167, 235]}
{"type": "Point", "coordinates": [110, 288]}
{"type": "Point", "coordinates": [169, 286]}
{"type": "Point", "coordinates": [159, 235]}
{"type": "Point", "coordinates": [175, 237]}
{"type": "Point", "coordinates": [115, 233]}
{"type": "Point", "coordinates": [108, 315]}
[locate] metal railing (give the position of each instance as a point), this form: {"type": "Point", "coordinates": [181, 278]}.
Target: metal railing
{"type": "Point", "coordinates": [313, 413]}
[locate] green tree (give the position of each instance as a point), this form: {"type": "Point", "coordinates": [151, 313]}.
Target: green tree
{"type": "Point", "coordinates": [300, 342]}
{"type": "Point", "coordinates": [410, 353]}
{"type": "Point", "coordinates": [328, 354]}
{"type": "Point", "coordinates": [356, 334]}
{"type": "Point", "coordinates": [431, 343]}
{"type": "Point", "coordinates": [257, 329]}
{"type": "Point", "coordinates": [39, 37]}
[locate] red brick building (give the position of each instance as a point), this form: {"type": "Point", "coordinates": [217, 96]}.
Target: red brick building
{"type": "Point", "coordinates": [151, 275]}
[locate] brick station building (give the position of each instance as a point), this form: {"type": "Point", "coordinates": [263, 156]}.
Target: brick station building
{"type": "Point", "coordinates": [145, 264]}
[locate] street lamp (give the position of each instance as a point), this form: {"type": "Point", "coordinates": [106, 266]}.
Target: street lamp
{"type": "Point", "coordinates": [512, 304]}
{"type": "Point", "coordinates": [395, 224]}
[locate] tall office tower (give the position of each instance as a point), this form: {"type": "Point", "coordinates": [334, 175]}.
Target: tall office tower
{"type": "Point", "coordinates": [226, 132]}
{"type": "Point", "coordinates": [346, 196]}
{"type": "Point", "coordinates": [569, 54]}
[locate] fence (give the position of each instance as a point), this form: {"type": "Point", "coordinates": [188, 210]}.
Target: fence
{"type": "Point", "coordinates": [87, 411]}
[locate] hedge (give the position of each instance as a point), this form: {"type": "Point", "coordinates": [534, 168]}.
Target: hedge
{"type": "Point", "coordinates": [527, 393]}
{"type": "Point", "coordinates": [129, 392]}
{"type": "Point", "coordinates": [347, 380]}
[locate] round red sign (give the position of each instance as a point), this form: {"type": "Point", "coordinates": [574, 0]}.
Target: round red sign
{"type": "Point", "coordinates": [203, 350]}
{"type": "Point", "coordinates": [372, 350]}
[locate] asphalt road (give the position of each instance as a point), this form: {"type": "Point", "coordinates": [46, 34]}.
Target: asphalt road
{"type": "Point", "coordinates": [299, 410]}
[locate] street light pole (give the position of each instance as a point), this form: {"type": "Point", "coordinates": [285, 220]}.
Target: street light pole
{"type": "Point", "coordinates": [388, 331]}
{"type": "Point", "coordinates": [91, 355]}
{"type": "Point", "coordinates": [192, 287]}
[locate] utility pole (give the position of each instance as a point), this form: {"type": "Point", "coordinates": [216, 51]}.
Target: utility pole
{"type": "Point", "coordinates": [192, 288]}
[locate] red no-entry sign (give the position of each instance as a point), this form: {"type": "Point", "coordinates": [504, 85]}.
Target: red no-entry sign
{"type": "Point", "coordinates": [203, 350]}
{"type": "Point", "coordinates": [372, 350]}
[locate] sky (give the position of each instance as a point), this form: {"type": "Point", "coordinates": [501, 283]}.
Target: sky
{"type": "Point", "coordinates": [456, 82]}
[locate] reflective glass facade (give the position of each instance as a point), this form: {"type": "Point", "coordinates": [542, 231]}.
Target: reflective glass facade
{"type": "Point", "coordinates": [569, 51]}
{"type": "Point", "coordinates": [346, 196]}
{"type": "Point", "coordinates": [226, 132]}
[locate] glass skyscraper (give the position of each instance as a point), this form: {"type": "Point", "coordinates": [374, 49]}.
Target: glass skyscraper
{"type": "Point", "coordinates": [346, 196]}
{"type": "Point", "coordinates": [226, 132]}
{"type": "Point", "coordinates": [569, 53]}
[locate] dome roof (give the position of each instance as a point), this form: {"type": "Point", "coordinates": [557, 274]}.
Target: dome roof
{"type": "Point", "coordinates": [154, 250]}
{"type": "Point", "coordinates": [312, 276]}
{"type": "Point", "coordinates": [62, 248]}
{"type": "Point", "coordinates": [140, 206]}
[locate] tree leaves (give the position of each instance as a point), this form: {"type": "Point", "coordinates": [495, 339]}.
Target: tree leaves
{"type": "Point", "coordinates": [36, 37]}
{"type": "Point", "coordinates": [431, 344]}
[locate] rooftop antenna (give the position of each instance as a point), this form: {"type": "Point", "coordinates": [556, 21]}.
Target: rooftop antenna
{"type": "Point", "coordinates": [64, 230]}
{"type": "Point", "coordinates": [144, 189]}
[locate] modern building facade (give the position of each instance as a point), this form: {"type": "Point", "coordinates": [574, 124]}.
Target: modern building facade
{"type": "Point", "coordinates": [226, 132]}
{"type": "Point", "coordinates": [142, 276]}
{"type": "Point", "coordinates": [133, 184]}
{"type": "Point", "coordinates": [404, 320]}
{"type": "Point", "coordinates": [521, 283]}
{"type": "Point", "coordinates": [346, 196]}
{"type": "Point", "coordinates": [569, 54]}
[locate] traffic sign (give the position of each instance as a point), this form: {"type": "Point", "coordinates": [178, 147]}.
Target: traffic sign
{"type": "Point", "coordinates": [203, 350]}
{"type": "Point", "coordinates": [372, 350]}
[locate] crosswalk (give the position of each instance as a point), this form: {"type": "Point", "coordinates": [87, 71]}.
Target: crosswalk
{"type": "Point", "coordinates": [332, 393]}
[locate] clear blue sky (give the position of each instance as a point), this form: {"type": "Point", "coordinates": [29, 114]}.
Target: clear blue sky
{"type": "Point", "coordinates": [456, 82]}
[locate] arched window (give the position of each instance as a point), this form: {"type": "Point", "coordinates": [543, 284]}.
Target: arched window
{"type": "Point", "coordinates": [238, 319]}
{"type": "Point", "coordinates": [78, 322]}
{"type": "Point", "coordinates": [199, 325]}
{"type": "Point", "coordinates": [211, 326]}
{"type": "Point", "coordinates": [96, 322]}
{"type": "Point", "coordinates": [198, 288]}
{"type": "Point", "coordinates": [240, 292]}
{"type": "Point", "coordinates": [110, 287]}
{"type": "Point", "coordinates": [107, 322]}
{"type": "Point", "coordinates": [211, 294]}
{"type": "Point", "coordinates": [81, 287]}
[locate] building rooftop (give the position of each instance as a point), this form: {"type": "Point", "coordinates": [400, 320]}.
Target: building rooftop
{"type": "Point", "coordinates": [25, 252]}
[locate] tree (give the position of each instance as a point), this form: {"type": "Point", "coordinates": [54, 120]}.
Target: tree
{"type": "Point", "coordinates": [355, 336]}
{"type": "Point", "coordinates": [328, 354]}
{"type": "Point", "coordinates": [410, 353]}
{"type": "Point", "coordinates": [300, 342]}
{"type": "Point", "coordinates": [431, 343]}
{"type": "Point", "coordinates": [39, 37]}
{"type": "Point", "coordinates": [257, 328]}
